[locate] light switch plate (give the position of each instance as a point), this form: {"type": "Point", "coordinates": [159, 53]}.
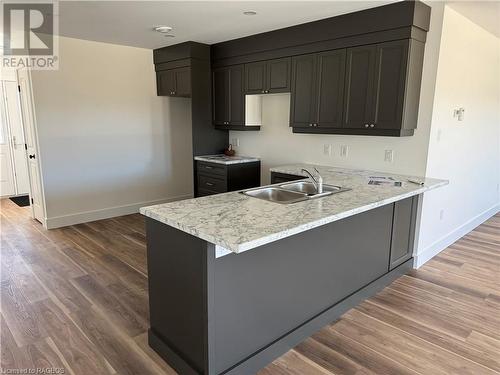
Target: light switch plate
{"type": "Point", "coordinates": [344, 151]}
{"type": "Point", "coordinates": [327, 149]}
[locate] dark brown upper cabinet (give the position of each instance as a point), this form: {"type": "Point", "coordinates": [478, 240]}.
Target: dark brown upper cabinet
{"type": "Point", "coordinates": [359, 86]}
{"type": "Point", "coordinates": [268, 77]}
{"type": "Point", "coordinates": [174, 82]}
{"type": "Point", "coordinates": [303, 99]}
{"type": "Point", "coordinates": [330, 88]}
{"type": "Point", "coordinates": [391, 68]}
{"type": "Point", "coordinates": [375, 85]}
{"type": "Point", "coordinates": [358, 73]}
{"type": "Point", "coordinates": [228, 96]}
{"type": "Point", "coordinates": [318, 90]}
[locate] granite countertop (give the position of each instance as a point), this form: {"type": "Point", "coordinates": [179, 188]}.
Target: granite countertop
{"type": "Point", "coordinates": [238, 223]}
{"type": "Point", "coordinates": [226, 160]}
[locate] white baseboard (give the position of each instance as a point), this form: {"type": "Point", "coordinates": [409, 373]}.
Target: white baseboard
{"type": "Point", "coordinates": [445, 241]}
{"type": "Point", "coordinates": [105, 213]}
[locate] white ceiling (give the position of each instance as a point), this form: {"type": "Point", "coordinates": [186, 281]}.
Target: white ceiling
{"type": "Point", "coordinates": [484, 13]}
{"type": "Point", "coordinates": [131, 22]}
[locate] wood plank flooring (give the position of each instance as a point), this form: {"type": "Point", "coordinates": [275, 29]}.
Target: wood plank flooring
{"type": "Point", "coordinates": [76, 299]}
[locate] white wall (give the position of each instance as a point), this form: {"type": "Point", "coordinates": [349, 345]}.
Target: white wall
{"type": "Point", "coordinates": [108, 144]}
{"type": "Point", "coordinates": [465, 152]}
{"type": "Point", "coordinates": [276, 144]}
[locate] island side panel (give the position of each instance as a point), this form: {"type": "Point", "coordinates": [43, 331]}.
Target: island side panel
{"type": "Point", "coordinates": [178, 287]}
{"type": "Point", "coordinates": [263, 294]}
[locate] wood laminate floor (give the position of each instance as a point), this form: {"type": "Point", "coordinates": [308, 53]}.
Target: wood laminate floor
{"type": "Point", "coordinates": [76, 299]}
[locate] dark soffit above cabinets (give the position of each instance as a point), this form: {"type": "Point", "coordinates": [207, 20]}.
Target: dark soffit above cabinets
{"type": "Point", "coordinates": [402, 20]}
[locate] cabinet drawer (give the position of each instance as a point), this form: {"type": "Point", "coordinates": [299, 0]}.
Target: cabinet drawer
{"type": "Point", "coordinates": [212, 169]}
{"type": "Point", "coordinates": [211, 183]}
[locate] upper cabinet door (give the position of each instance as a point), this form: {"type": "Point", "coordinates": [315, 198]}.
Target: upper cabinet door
{"type": "Point", "coordinates": [220, 81]}
{"type": "Point", "coordinates": [330, 85]}
{"type": "Point", "coordinates": [267, 77]}
{"type": "Point", "coordinates": [302, 108]}
{"type": "Point", "coordinates": [236, 95]}
{"type": "Point", "coordinates": [182, 82]}
{"type": "Point", "coordinates": [165, 82]}
{"type": "Point", "coordinates": [391, 65]}
{"type": "Point", "coordinates": [278, 75]}
{"type": "Point", "coordinates": [255, 78]}
{"type": "Point", "coordinates": [359, 100]}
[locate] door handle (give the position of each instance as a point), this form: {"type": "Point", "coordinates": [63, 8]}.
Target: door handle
{"type": "Point", "coordinates": [32, 156]}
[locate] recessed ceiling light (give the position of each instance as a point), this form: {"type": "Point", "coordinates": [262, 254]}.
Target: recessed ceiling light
{"type": "Point", "coordinates": [250, 13]}
{"type": "Point", "coordinates": [163, 29]}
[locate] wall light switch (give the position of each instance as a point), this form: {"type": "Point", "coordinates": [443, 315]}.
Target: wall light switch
{"type": "Point", "coordinates": [389, 156]}
{"type": "Point", "coordinates": [441, 214]}
{"type": "Point", "coordinates": [327, 150]}
{"type": "Point", "coordinates": [344, 151]}
{"type": "Point", "coordinates": [459, 113]}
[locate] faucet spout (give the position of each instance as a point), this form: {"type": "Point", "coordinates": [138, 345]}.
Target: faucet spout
{"type": "Point", "coordinates": [318, 182]}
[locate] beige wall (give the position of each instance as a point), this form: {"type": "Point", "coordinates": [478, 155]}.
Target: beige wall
{"type": "Point", "coordinates": [276, 144]}
{"type": "Point", "coordinates": [464, 152]}
{"type": "Point", "coordinates": [108, 144]}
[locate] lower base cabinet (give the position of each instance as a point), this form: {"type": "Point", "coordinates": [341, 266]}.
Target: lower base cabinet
{"type": "Point", "coordinates": [235, 314]}
{"type": "Point", "coordinates": [215, 178]}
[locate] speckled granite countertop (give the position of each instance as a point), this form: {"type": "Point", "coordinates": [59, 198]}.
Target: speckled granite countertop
{"type": "Point", "coordinates": [239, 223]}
{"type": "Point", "coordinates": [226, 160]}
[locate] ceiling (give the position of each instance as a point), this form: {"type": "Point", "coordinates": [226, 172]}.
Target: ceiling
{"type": "Point", "coordinates": [131, 22]}
{"type": "Point", "coordinates": [484, 13]}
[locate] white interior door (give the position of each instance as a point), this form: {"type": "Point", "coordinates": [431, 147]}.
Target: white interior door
{"type": "Point", "coordinates": [28, 119]}
{"type": "Point", "coordinates": [7, 186]}
{"type": "Point", "coordinates": [17, 138]}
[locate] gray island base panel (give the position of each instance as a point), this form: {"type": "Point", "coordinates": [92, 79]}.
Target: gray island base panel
{"type": "Point", "coordinates": [237, 313]}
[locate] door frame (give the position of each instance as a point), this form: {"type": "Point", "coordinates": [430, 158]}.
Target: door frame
{"type": "Point", "coordinates": [7, 135]}
{"type": "Point", "coordinates": [11, 78]}
{"type": "Point", "coordinates": [36, 144]}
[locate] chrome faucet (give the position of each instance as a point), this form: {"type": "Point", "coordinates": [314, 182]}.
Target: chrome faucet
{"type": "Point", "coordinates": [318, 181]}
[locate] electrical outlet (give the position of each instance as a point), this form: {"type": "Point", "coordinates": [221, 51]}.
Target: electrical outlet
{"type": "Point", "coordinates": [235, 142]}
{"type": "Point", "coordinates": [441, 215]}
{"type": "Point", "coordinates": [389, 156]}
{"type": "Point", "coordinates": [327, 150]}
{"type": "Point", "coordinates": [344, 151]}
{"type": "Point", "coordinates": [439, 134]}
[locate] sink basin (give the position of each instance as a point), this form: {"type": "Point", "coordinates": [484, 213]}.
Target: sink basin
{"type": "Point", "coordinates": [275, 194]}
{"type": "Point", "coordinates": [307, 187]}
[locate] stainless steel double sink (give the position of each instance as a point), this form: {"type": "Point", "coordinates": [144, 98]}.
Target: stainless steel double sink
{"type": "Point", "coordinates": [292, 192]}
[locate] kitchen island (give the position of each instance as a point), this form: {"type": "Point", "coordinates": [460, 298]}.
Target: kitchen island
{"type": "Point", "coordinates": [236, 281]}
